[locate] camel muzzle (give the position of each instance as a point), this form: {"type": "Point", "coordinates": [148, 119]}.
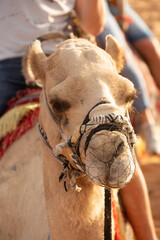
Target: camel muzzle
{"type": "Point", "coordinates": [109, 161]}
{"type": "Point", "coordinates": [102, 149]}
{"type": "Point", "coordinates": [106, 148]}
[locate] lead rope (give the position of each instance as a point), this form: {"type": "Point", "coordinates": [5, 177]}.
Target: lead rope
{"type": "Point", "coordinates": [107, 215]}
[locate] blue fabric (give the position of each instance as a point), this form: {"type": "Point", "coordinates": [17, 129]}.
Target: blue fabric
{"type": "Point", "coordinates": [48, 237]}
{"type": "Point", "coordinates": [130, 70]}
{"type": "Point", "coordinates": [137, 29]}
{"type": "Point", "coordinates": [11, 80]}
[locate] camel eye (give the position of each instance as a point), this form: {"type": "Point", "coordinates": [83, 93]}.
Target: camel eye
{"type": "Point", "coordinates": [131, 96]}
{"type": "Point", "coordinates": [60, 105]}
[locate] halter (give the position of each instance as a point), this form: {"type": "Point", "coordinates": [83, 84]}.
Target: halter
{"type": "Point", "coordinates": [110, 122]}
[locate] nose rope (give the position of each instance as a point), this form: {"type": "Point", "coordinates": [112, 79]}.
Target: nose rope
{"type": "Point", "coordinates": [118, 120]}
{"type": "Point", "coordinates": [99, 128]}
{"type": "Point", "coordinates": [110, 122]}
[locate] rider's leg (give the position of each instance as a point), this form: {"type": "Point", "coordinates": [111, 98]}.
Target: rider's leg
{"type": "Point", "coordinates": [142, 106]}
{"type": "Point", "coordinates": [149, 48]}
{"type": "Point", "coordinates": [144, 41]}
{"type": "Point", "coordinates": [137, 205]}
{"type": "Point", "coordinates": [11, 80]}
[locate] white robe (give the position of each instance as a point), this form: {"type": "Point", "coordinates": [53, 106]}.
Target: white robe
{"type": "Point", "coordinates": [22, 21]}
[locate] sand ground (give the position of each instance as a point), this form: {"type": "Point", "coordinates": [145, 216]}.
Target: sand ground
{"type": "Point", "coordinates": [150, 12]}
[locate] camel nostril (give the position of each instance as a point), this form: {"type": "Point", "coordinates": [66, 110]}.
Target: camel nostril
{"type": "Point", "coordinates": [119, 150]}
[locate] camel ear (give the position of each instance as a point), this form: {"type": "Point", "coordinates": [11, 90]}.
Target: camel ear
{"type": "Point", "coordinates": [116, 52]}
{"type": "Point", "coordinates": [34, 64]}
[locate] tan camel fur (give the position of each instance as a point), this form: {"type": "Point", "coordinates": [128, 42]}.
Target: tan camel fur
{"type": "Point", "coordinates": [22, 205]}
{"type": "Point", "coordinates": [76, 77]}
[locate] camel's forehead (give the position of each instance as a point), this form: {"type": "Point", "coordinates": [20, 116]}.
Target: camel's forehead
{"type": "Point", "coordinates": [79, 44]}
{"type": "Point", "coordinates": [73, 63]}
{"type": "Point", "coordinates": [82, 52]}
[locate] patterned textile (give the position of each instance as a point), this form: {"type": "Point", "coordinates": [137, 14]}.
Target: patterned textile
{"type": "Point", "coordinates": [122, 228]}
{"type": "Point", "coordinates": [21, 115]}
{"type": "Point", "coordinates": [11, 120]}
{"type": "Point", "coordinates": [115, 208]}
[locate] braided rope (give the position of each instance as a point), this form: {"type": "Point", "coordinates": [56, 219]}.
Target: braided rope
{"type": "Point", "coordinates": [113, 119]}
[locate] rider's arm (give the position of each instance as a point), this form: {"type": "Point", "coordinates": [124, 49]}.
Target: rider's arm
{"type": "Point", "coordinates": [136, 201]}
{"type": "Point", "coordinates": [120, 6]}
{"type": "Point", "coordinates": [91, 14]}
{"type": "Point", "coordinates": [121, 14]}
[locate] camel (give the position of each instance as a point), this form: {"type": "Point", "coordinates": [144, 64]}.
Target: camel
{"type": "Point", "coordinates": [82, 92]}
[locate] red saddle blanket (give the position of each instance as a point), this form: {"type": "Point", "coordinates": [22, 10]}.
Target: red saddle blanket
{"type": "Point", "coordinates": [21, 115]}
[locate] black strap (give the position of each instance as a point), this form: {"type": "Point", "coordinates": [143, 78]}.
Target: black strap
{"type": "Point", "coordinates": [86, 120]}
{"type": "Point", "coordinates": [108, 215]}
{"type": "Point", "coordinates": [109, 127]}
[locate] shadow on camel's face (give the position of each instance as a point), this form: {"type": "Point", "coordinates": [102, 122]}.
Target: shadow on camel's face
{"type": "Point", "coordinates": [76, 78]}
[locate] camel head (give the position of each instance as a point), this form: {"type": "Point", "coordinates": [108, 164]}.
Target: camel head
{"type": "Point", "coordinates": [89, 100]}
